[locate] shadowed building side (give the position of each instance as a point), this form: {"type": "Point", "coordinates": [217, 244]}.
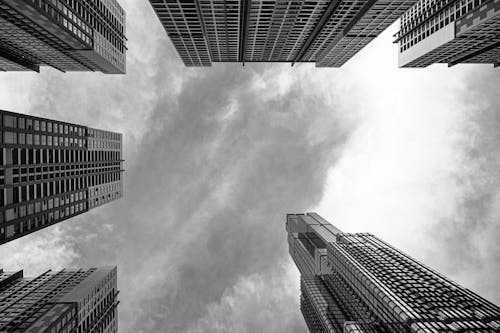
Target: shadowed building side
{"type": "Point", "coordinates": [358, 283]}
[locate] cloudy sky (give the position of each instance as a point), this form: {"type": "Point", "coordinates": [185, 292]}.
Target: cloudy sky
{"type": "Point", "coordinates": [216, 157]}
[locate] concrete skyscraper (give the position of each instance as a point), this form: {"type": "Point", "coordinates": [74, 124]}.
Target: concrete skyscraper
{"type": "Point", "coordinates": [325, 32]}
{"type": "Point", "coordinates": [450, 31]}
{"type": "Point", "coordinates": [51, 171]}
{"type": "Point", "coordinates": [69, 35]}
{"type": "Point", "coordinates": [69, 301]}
{"type": "Point", "coordinates": [359, 283]}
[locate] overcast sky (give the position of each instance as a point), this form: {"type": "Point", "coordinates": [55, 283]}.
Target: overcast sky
{"type": "Point", "coordinates": [216, 157]}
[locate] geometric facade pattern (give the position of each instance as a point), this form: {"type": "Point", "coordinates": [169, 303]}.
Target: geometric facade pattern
{"type": "Point", "coordinates": [51, 171]}
{"type": "Point", "coordinates": [69, 35]}
{"type": "Point", "coordinates": [325, 32]}
{"type": "Point", "coordinates": [75, 301]}
{"type": "Point", "coordinates": [450, 31]}
{"type": "Point", "coordinates": [359, 283]}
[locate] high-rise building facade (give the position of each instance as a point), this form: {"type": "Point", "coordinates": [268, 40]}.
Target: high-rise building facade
{"type": "Point", "coordinates": [51, 171]}
{"type": "Point", "coordinates": [68, 301]}
{"type": "Point", "coordinates": [69, 35]}
{"type": "Point", "coordinates": [359, 283]}
{"type": "Point", "coordinates": [324, 32]}
{"type": "Point", "coordinates": [451, 32]}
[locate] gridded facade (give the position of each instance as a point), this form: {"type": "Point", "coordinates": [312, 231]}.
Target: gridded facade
{"type": "Point", "coordinates": [68, 301]}
{"type": "Point", "coordinates": [359, 283]}
{"type": "Point", "coordinates": [51, 171]}
{"type": "Point", "coordinates": [451, 31]}
{"type": "Point", "coordinates": [69, 35]}
{"type": "Point", "coordinates": [326, 32]}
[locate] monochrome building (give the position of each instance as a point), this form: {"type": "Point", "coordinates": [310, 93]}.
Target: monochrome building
{"type": "Point", "coordinates": [68, 301]}
{"type": "Point", "coordinates": [325, 32]}
{"type": "Point", "coordinates": [359, 283]}
{"type": "Point", "coordinates": [52, 170]}
{"type": "Point", "coordinates": [451, 32]}
{"type": "Point", "coordinates": [68, 35]}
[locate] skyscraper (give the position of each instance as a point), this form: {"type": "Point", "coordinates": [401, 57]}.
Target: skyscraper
{"type": "Point", "coordinates": [325, 32]}
{"type": "Point", "coordinates": [51, 171]}
{"type": "Point", "coordinates": [450, 31]}
{"type": "Point", "coordinates": [359, 283]}
{"type": "Point", "coordinates": [69, 301]}
{"type": "Point", "coordinates": [69, 35]}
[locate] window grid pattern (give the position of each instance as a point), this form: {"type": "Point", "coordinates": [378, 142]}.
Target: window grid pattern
{"type": "Point", "coordinates": [57, 31]}
{"type": "Point", "coordinates": [51, 171]}
{"type": "Point", "coordinates": [304, 24]}
{"type": "Point", "coordinates": [476, 26]}
{"type": "Point", "coordinates": [345, 11]}
{"type": "Point", "coordinates": [278, 30]}
{"type": "Point", "coordinates": [8, 65]}
{"type": "Point", "coordinates": [21, 42]}
{"type": "Point", "coordinates": [26, 300]}
{"type": "Point", "coordinates": [319, 307]}
{"type": "Point", "coordinates": [472, 37]}
{"type": "Point", "coordinates": [222, 22]}
{"type": "Point", "coordinates": [275, 31]}
{"type": "Point", "coordinates": [407, 291]}
{"type": "Point", "coordinates": [185, 28]}
{"type": "Point", "coordinates": [377, 19]}
{"type": "Point", "coordinates": [47, 304]}
{"type": "Point", "coordinates": [372, 287]}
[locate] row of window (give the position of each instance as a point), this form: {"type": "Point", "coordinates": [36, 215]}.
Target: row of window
{"type": "Point", "coordinates": [42, 125]}
{"type": "Point", "coordinates": [40, 221]}
{"type": "Point", "coordinates": [41, 140]}
{"type": "Point", "coordinates": [22, 156]}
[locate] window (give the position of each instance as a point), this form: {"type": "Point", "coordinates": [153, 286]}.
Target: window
{"type": "Point", "coordinates": [21, 122]}
{"type": "Point", "coordinates": [22, 138]}
{"type": "Point", "coordinates": [10, 137]}
{"type": "Point", "coordinates": [37, 125]}
{"type": "Point", "coordinates": [9, 121]}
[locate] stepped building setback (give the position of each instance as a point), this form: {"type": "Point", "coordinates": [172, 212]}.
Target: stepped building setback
{"type": "Point", "coordinates": [69, 301]}
{"type": "Point", "coordinates": [325, 32]}
{"type": "Point", "coordinates": [359, 283]}
{"type": "Point", "coordinates": [451, 32]}
{"type": "Point", "coordinates": [51, 171]}
{"type": "Point", "coordinates": [68, 35]}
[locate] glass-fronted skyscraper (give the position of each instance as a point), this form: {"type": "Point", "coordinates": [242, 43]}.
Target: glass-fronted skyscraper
{"type": "Point", "coordinates": [325, 32]}
{"type": "Point", "coordinates": [52, 170]}
{"type": "Point", "coordinates": [69, 35]}
{"type": "Point", "coordinates": [451, 32]}
{"type": "Point", "coordinates": [68, 301]}
{"type": "Point", "coordinates": [359, 283]}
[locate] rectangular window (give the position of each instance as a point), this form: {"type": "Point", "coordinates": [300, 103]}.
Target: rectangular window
{"type": "Point", "coordinates": [9, 121]}
{"type": "Point", "coordinates": [10, 137]}
{"type": "Point", "coordinates": [22, 138]}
